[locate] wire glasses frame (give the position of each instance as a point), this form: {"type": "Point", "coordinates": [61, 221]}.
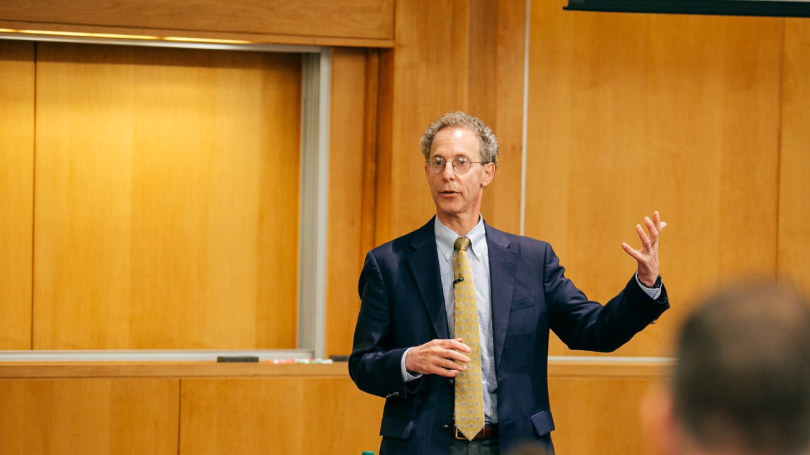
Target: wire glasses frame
{"type": "Point", "coordinates": [461, 165]}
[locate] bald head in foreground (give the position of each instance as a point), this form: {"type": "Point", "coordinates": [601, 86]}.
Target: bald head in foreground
{"type": "Point", "coordinates": [742, 383]}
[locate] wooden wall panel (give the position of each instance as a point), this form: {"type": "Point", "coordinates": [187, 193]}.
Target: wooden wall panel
{"type": "Point", "coordinates": [370, 19]}
{"type": "Point", "coordinates": [16, 188]}
{"type": "Point", "coordinates": [495, 94]}
{"type": "Point", "coordinates": [596, 408]}
{"type": "Point", "coordinates": [482, 76]}
{"type": "Point", "coordinates": [423, 78]}
{"type": "Point", "coordinates": [634, 113]}
{"type": "Point", "coordinates": [383, 208]}
{"type": "Point", "coordinates": [794, 169]}
{"type": "Point", "coordinates": [166, 199]}
{"type": "Point", "coordinates": [278, 415]}
{"type": "Point", "coordinates": [346, 191]}
{"type": "Point", "coordinates": [483, 51]}
{"type": "Point", "coordinates": [503, 195]}
{"type": "Point", "coordinates": [89, 416]}
{"type": "Point", "coordinates": [371, 150]}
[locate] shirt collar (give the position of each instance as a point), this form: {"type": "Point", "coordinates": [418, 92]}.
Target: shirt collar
{"type": "Point", "coordinates": [446, 238]}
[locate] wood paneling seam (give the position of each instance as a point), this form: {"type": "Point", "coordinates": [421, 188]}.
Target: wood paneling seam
{"type": "Point", "coordinates": [34, 198]}
{"type": "Point", "coordinates": [780, 130]}
{"type": "Point", "coordinates": [608, 359]}
{"type": "Point", "coordinates": [524, 138]}
{"type": "Point", "coordinates": [179, 413]}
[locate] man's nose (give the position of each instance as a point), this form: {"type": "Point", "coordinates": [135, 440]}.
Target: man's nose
{"type": "Point", "coordinates": [448, 172]}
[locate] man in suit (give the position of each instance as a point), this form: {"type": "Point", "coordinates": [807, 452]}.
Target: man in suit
{"type": "Point", "coordinates": [453, 325]}
{"type": "Point", "coordinates": [742, 382]}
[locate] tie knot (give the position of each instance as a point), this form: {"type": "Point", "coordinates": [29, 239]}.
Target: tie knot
{"type": "Point", "coordinates": [462, 243]}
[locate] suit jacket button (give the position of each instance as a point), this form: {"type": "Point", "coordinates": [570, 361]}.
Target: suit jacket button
{"type": "Point", "coordinates": [445, 427]}
{"type": "Point", "coordinates": [395, 394]}
{"type": "Point", "coordinates": [450, 381]}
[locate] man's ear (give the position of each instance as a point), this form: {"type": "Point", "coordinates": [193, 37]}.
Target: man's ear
{"type": "Point", "coordinates": [489, 174]}
{"type": "Point", "coordinates": [659, 422]}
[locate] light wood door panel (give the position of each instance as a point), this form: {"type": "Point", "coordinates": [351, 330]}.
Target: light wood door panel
{"type": "Point", "coordinates": [166, 198]}
{"type": "Point", "coordinates": [278, 415]}
{"type": "Point", "coordinates": [794, 169]}
{"type": "Point", "coordinates": [89, 416]}
{"type": "Point", "coordinates": [634, 113]}
{"type": "Point", "coordinates": [16, 192]}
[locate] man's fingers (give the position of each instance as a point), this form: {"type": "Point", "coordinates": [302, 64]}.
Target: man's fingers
{"type": "Point", "coordinates": [441, 357]}
{"type": "Point", "coordinates": [645, 241]}
{"type": "Point", "coordinates": [649, 242]}
{"type": "Point", "coordinates": [437, 370]}
{"type": "Point", "coordinates": [660, 225]}
{"type": "Point", "coordinates": [445, 367]}
{"type": "Point", "coordinates": [633, 253]}
{"type": "Point", "coordinates": [456, 344]}
{"type": "Point", "coordinates": [450, 365]}
{"type": "Point", "coordinates": [451, 354]}
{"type": "Point", "coordinates": [651, 229]}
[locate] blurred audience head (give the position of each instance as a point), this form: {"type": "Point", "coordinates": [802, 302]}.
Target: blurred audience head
{"type": "Point", "coordinates": [742, 380]}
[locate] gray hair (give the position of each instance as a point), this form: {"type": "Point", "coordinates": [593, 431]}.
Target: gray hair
{"type": "Point", "coordinates": [489, 143]}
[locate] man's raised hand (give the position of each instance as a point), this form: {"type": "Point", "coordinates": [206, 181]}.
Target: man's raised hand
{"type": "Point", "coordinates": [647, 256]}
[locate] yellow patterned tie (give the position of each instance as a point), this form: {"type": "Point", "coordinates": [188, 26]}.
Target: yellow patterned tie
{"type": "Point", "coordinates": [469, 400]}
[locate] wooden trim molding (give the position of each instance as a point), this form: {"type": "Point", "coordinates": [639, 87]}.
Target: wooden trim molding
{"type": "Point", "coordinates": [350, 23]}
{"type": "Point", "coordinates": [610, 369]}
{"type": "Point", "coordinates": [31, 370]}
{"type": "Point", "coordinates": [167, 370]}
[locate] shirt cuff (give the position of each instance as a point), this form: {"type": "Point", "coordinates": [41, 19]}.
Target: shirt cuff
{"type": "Point", "coordinates": [654, 293]}
{"type": "Point", "coordinates": [407, 377]}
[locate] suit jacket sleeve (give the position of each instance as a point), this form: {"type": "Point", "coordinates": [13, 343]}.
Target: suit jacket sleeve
{"type": "Point", "coordinates": [587, 325]}
{"type": "Point", "coordinates": [373, 365]}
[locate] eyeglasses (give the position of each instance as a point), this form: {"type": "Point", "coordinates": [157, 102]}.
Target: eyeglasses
{"type": "Point", "coordinates": [460, 165]}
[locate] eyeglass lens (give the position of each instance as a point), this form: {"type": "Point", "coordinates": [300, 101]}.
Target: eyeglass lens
{"type": "Point", "coordinates": [460, 165]}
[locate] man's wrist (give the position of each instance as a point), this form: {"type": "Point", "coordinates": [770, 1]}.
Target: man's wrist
{"type": "Point", "coordinates": [647, 282]}
{"type": "Point", "coordinates": [407, 376]}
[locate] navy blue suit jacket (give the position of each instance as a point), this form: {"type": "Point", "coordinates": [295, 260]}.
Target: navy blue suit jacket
{"type": "Point", "coordinates": [403, 306]}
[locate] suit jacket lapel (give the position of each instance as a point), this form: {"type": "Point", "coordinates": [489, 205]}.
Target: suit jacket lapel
{"type": "Point", "coordinates": [424, 263]}
{"type": "Point", "coordinates": [502, 265]}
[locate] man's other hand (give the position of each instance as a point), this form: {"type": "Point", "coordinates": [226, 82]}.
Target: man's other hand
{"type": "Point", "coordinates": [647, 256]}
{"type": "Point", "coordinates": [440, 357]}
